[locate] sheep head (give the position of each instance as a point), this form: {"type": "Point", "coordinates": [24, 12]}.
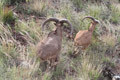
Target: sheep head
{"type": "Point", "coordinates": [93, 23]}
{"type": "Point", "coordinates": [58, 23]}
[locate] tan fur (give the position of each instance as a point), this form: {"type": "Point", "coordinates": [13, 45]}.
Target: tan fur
{"type": "Point", "coordinates": [83, 37]}
{"type": "Point", "coordinates": [49, 48]}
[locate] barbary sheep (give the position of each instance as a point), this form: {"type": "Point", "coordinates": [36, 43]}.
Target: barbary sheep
{"type": "Point", "coordinates": [49, 48]}
{"type": "Point", "coordinates": [83, 37]}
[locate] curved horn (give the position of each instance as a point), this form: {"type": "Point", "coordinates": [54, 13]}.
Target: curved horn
{"type": "Point", "coordinates": [93, 19]}
{"type": "Point", "coordinates": [66, 21]}
{"type": "Point", "coordinates": [89, 18]}
{"type": "Point", "coordinates": [48, 20]}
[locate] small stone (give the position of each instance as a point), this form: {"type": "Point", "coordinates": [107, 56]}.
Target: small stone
{"type": "Point", "coordinates": [116, 78]}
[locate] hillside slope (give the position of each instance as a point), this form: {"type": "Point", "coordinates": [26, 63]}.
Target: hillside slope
{"type": "Point", "coordinates": [20, 31]}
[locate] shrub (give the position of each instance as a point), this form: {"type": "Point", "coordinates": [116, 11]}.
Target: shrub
{"type": "Point", "coordinates": [8, 17]}
{"type": "Point", "coordinates": [12, 2]}
{"type": "Point", "coordinates": [90, 68]}
{"type": "Point", "coordinates": [94, 11]}
{"type": "Point", "coordinates": [115, 15]}
{"type": "Point", "coordinates": [78, 4]}
{"type": "Point", "coordinates": [38, 7]}
{"type": "Point", "coordinates": [109, 40]}
{"type": "Point", "coordinates": [34, 7]}
{"type": "Point", "coordinates": [23, 9]}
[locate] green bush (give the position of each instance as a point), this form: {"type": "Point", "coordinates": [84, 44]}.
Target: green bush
{"type": "Point", "coordinates": [78, 4]}
{"type": "Point", "coordinates": [12, 2]}
{"type": "Point", "coordinates": [115, 15]}
{"type": "Point", "coordinates": [23, 9]}
{"type": "Point", "coordinates": [7, 17]}
{"type": "Point", "coordinates": [94, 10]}
{"type": "Point", "coordinates": [37, 8]}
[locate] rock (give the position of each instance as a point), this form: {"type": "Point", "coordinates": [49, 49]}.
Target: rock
{"type": "Point", "coordinates": [116, 77]}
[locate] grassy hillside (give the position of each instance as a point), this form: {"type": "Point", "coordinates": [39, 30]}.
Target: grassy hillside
{"type": "Point", "coordinates": [20, 31]}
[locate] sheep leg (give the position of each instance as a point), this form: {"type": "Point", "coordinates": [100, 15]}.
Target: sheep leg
{"type": "Point", "coordinates": [84, 47]}
{"type": "Point", "coordinates": [54, 63]}
{"type": "Point", "coordinates": [48, 65]}
{"type": "Point", "coordinates": [51, 63]}
{"type": "Point", "coordinates": [44, 66]}
{"type": "Point", "coordinates": [77, 50]}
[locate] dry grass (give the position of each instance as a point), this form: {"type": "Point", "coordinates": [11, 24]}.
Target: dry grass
{"type": "Point", "coordinates": [18, 62]}
{"type": "Point", "coordinates": [39, 6]}
{"type": "Point", "coordinates": [109, 39]}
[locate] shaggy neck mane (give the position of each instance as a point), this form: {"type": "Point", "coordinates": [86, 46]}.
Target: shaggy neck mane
{"type": "Point", "coordinates": [58, 31]}
{"type": "Point", "coordinates": [92, 27]}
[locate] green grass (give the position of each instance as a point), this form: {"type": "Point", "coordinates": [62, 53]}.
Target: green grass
{"type": "Point", "coordinates": [78, 4]}
{"type": "Point", "coordinates": [18, 62]}
{"type": "Point", "coordinates": [90, 67]}
{"type": "Point", "coordinates": [38, 8]}
{"type": "Point", "coordinates": [115, 15]}
{"type": "Point", "coordinates": [7, 16]}
{"type": "Point", "coordinates": [12, 2]}
{"type": "Point", "coordinates": [1, 9]}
